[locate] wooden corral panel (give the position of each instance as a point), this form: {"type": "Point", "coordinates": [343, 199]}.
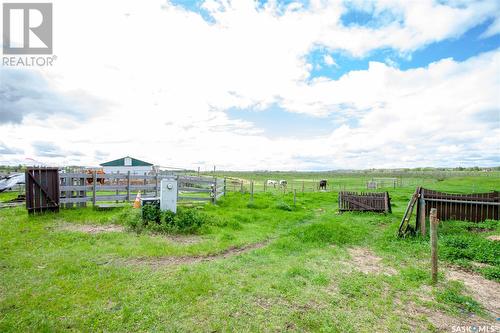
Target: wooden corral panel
{"type": "Point", "coordinates": [42, 189]}
{"type": "Point", "coordinates": [372, 202]}
{"type": "Point", "coordinates": [475, 207]}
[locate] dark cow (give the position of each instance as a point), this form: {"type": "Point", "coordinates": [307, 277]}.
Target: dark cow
{"type": "Point", "coordinates": [322, 184]}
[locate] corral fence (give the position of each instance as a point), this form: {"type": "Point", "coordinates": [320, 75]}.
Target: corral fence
{"type": "Point", "coordinates": [313, 185]}
{"type": "Point", "coordinates": [373, 201]}
{"type": "Point", "coordinates": [473, 207]}
{"type": "Point", "coordinates": [78, 189]}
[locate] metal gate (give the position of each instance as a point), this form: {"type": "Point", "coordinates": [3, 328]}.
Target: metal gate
{"type": "Point", "coordinates": [42, 189]}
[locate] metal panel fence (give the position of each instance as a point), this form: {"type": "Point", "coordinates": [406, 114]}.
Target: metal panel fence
{"type": "Point", "coordinates": [373, 201]}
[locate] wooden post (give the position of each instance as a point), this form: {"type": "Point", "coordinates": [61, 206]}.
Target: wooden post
{"type": "Point", "coordinates": [242, 186]}
{"type": "Point", "coordinates": [265, 185]}
{"type": "Point", "coordinates": [156, 184]}
{"type": "Point", "coordinates": [94, 185]}
{"type": "Point", "coordinates": [294, 197]}
{"type": "Point", "coordinates": [251, 191]}
{"type": "Point", "coordinates": [434, 245]}
{"type": "Point", "coordinates": [214, 199]}
{"type": "Point", "coordinates": [421, 213]}
{"type": "Point", "coordinates": [302, 186]}
{"type": "Point", "coordinates": [128, 185]}
{"type": "Point", "coordinates": [225, 184]}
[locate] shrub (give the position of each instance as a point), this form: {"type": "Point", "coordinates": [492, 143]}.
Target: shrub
{"type": "Point", "coordinates": [185, 221]}
{"type": "Point", "coordinates": [151, 213]}
{"type": "Point", "coordinates": [188, 220]}
{"type": "Point", "coordinates": [283, 206]}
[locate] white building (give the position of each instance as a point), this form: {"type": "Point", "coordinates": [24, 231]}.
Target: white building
{"type": "Point", "coordinates": [126, 164]}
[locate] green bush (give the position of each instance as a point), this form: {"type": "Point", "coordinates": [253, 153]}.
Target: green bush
{"type": "Point", "coordinates": [153, 219]}
{"type": "Point", "coordinates": [283, 206]}
{"type": "Point", "coordinates": [188, 220]}
{"type": "Point", "coordinates": [151, 213]}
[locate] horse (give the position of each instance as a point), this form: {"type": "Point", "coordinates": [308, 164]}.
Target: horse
{"type": "Point", "coordinates": [322, 184]}
{"type": "Point", "coordinates": [283, 183]}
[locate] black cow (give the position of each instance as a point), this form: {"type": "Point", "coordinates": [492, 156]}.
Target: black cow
{"type": "Point", "coordinates": [322, 184]}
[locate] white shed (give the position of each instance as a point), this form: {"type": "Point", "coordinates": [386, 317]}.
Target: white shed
{"type": "Point", "coordinates": [126, 164]}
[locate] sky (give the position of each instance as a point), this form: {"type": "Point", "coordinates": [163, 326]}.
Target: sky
{"type": "Point", "coordinates": [261, 85]}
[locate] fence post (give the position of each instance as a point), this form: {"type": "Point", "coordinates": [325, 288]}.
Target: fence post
{"type": "Point", "coordinates": [434, 245]}
{"type": "Point", "coordinates": [128, 185]}
{"type": "Point", "coordinates": [265, 185]}
{"type": "Point", "coordinates": [421, 213]}
{"type": "Point", "coordinates": [156, 184]}
{"type": "Point", "coordinates": [241, 187]}
{"type": "Point", "coordinates": [251, 191]}
{"type": "Point", "coordinates": [294, 197]}
{"type": "Point", "coordinates": [225, 184]}
{"type": "Point", "coordinates": [214, 199]}
{"type": "Point", "coordinates": [302, 186]}
{"type": "Point", "coordinates": [94, 184]}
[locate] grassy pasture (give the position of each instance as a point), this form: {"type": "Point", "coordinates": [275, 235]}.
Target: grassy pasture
{"type": "Point", "coordinates": [252, 268]}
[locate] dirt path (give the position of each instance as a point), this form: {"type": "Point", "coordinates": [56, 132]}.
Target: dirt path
{"type": "Point", "coordinates": [91, 228]}
{"type": "Point", "coordinates": [484, 291]}
{"type": "Point", "coordinates": [172, 261]}
{"type": "Point", "coordinates": [366, 261]}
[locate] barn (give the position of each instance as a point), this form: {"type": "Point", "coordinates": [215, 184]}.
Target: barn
{"type": "Point", "coordinates": [126, 164]}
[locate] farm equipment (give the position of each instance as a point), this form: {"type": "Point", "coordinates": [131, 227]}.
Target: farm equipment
{"type": "Point", "coordinates": [11, 181]}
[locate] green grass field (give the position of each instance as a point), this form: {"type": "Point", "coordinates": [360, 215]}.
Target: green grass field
{"type": "Point", "coordinates": [252, 268]}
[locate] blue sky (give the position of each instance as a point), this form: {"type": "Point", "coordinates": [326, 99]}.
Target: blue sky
{"type": "Point", "coordinates": [244, 84]}
{"type": "Point", "coordinates": [469, 44]}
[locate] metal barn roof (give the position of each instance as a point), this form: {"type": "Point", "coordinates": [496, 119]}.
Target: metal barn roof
{"type": "Point", "coordinates": [121, 162]}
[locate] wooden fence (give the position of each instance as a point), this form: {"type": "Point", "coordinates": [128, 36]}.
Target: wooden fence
{"type": "Point", "coordinates": [474, 207]}
{"type": "Point", "coordinates": [81, 188]}
{"type": "Point", "coordinates": [42, 189]}
{"type": "Point", "coordinates": [372, 201]}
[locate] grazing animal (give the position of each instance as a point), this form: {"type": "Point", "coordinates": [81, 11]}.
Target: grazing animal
{"type": "Point", "coordinates": [283, 183]}
{"type": "Point", "coordinates": [322, 184]}
{"type": "Point", "coordinates": [272, 183]}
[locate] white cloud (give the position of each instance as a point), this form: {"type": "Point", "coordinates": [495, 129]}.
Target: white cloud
{"type": "Point", "coordinates": [329, 60]}
{"type": "Point", "coordinates": [166, 76]}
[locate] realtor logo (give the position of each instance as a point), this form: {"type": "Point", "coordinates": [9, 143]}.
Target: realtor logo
{"type": "Point", "coordinates": [27, 28]}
